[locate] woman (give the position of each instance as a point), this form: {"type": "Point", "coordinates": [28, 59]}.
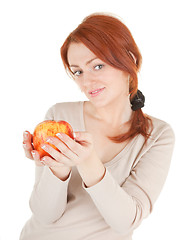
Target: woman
{"type": "Point", "coordinates": [103, 184]}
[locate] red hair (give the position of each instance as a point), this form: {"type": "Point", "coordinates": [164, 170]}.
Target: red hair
{"type": "Point", "coordinates": [111, 41]}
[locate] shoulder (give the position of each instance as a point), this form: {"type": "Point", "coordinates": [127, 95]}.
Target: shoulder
{"type": "Point", "coordinates": [159, 147]}
{"type": "Point", "coordinates": [62, 109]}
{"type": "Point", "coordinates": [162, 137]}
{"type": "Point", "coordinates": [66, 106]}
{"type": "Point", "coordinates": [161, 127]}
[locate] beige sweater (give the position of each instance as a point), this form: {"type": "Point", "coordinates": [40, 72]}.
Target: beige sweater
{"type": "Point", "coordinates": [114, 207]}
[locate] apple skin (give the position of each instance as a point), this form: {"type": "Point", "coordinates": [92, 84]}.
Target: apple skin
{"type": "Point", "coordinates": [49, 128]}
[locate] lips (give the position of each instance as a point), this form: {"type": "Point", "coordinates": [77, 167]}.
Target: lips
{"type": "Point", "coordinates": [96, 91]}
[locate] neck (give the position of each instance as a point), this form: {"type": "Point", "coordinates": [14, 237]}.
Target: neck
{"type": "Point", "coordinates": [115, 114]}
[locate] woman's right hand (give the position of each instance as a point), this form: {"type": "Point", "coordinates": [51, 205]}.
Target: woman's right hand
{"type": "Point", "coordinates": [29, 150]}
{"type": "Point", "coordinates": [59, 170]}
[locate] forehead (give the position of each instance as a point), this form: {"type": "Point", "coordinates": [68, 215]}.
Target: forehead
{"type": "Point", "coordinates": [78, 53]}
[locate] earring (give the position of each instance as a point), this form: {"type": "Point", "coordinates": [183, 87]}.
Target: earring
{"type": "Point", "coordinates": [128, 94]}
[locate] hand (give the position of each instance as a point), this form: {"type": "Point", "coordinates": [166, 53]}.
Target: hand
{"type": "Point", "coordinates": [78, 153]}
{"type": "Point", "coordinates": [71, 153]}
{"type": "Point", "coordinates": [28, 148]}
{"type": "Point", "coordinates": [58, 169]}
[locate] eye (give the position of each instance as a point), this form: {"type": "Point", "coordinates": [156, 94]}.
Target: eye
{"type": "Point", "coordinates": [99, 66]}
{"type": "Point", "coordinates": [77, 73]}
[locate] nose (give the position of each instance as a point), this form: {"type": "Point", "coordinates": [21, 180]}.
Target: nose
{"type": "Point", "coordinates": [88, 78]}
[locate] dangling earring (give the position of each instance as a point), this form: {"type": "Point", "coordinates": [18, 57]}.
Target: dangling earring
{"type": "Point", "coordinates": [128, 94]}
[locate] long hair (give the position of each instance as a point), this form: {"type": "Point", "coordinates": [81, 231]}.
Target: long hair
{"type": "Point", "coordinates": [111, 41]}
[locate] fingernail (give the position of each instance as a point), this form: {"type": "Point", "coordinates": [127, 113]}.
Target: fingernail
{"type": "Point", "coordinates": [49, 140]}
{"type": "Point", "coordinates": [44, 147]}
{"type": "Point", "coordinates": [74, 135]}
{"type": "Point", "coordinates": [58, 134]}
{"type": "Point", "coordinates": [43, 160]}
{"type": "Point", "coordinates": [26, 134]}
{"type": "Point", "coordinates": [33, 154]}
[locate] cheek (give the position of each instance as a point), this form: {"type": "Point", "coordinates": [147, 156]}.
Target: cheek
{"type": "Point", "coordinates": [121, 83]}
{"type": "Point", "coordinates": [118, 78]}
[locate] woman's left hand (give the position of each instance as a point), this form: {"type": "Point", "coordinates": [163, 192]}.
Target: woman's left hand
{"type": "Point", "coordinates": [71, 153]}
{"type": "Point", "coordinates": [79, 153]}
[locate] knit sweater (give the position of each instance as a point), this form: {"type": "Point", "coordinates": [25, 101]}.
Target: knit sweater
{"type": "Point", "coordinates": [112, 208]}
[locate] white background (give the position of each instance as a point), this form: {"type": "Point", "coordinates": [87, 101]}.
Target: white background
{"type": "Point", "coordinates": [33, 79]}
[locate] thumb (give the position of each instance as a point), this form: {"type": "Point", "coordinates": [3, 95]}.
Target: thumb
{"type": "Point", "coordinates": [82, 136]}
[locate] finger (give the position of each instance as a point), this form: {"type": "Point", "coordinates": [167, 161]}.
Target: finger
{"type": "Point", "coordinates": [50, 162]}
{"type": "Point", "coordinates": [59, 157]}
{"type": "Point", "coordinates": [27, 137]}
{"type": "Point", "coordinates": [36, 158]}
{"type": "Point", "coordinates": [35, 155]}
{"type": "Point", "coordinates": [74, 146]}
{"type": "Point", "coordinates": [83, 137]}
{"type": "Point", "coordinates": [62, 147]}
{"type": "Point", "coordinates": [27, 149]}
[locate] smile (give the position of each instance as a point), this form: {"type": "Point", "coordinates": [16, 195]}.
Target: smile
{"type": "Point", "coordinates": [96, 92]}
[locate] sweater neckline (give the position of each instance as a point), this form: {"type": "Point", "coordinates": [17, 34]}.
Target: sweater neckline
{"type": "Point", "coordinates": [120, 154]}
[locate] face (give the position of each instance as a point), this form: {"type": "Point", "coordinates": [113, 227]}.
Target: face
{"type": "Point", "coordinates": [100, 82]}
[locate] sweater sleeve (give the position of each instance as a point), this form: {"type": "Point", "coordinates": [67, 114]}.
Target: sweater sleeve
{"type": "Point", "coordinates": [124, 207]}
{"type": "Point", "coordinates": [49, 196]}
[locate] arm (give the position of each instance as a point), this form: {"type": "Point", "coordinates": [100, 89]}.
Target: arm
{"type": "Point", "coordinates": [49, 196]}
{"type": "Point", "coordinates": [124, 207]}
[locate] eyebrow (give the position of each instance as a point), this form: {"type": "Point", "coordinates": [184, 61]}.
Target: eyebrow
{"type": "Point", "coordinates": [88, 62]}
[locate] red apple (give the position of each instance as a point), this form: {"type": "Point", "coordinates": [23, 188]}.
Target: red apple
{"type": "Point", "coordinates": [49, 128]}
